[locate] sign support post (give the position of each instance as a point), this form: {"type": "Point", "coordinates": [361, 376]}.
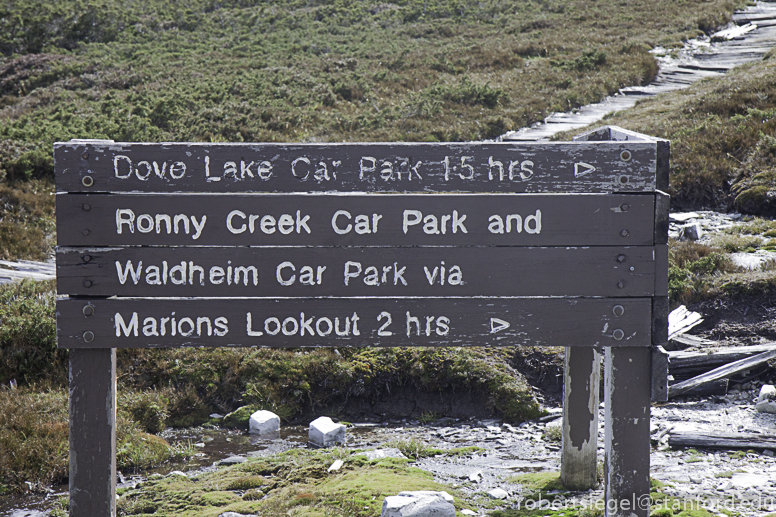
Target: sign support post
{"type": "Point", "coordinates": [92, 432]}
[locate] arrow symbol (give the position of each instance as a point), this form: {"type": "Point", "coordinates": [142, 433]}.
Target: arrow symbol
{"type": "Point", "coordinates": [582, 168]}
{"type": "Point", "coordinates": [497, 325]}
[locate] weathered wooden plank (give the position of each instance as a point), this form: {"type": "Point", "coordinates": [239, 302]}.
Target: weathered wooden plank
{"type": "Point", "coordinates": [92, 475]}
{"type": "Point", "coordinates": [712, 440]}
{"type": "Point", "coordinates": [376, 271]}
{"type": "Point", "coordinates": [720, 373]}
{"type": "Point", "coordinates": [627, 166]}
{"type": "Point", "coordinates": [579, 444]}
{"type": "Point", "coordinates": [682, 360]}
{"type": "Point", "coordinates": [352, 322]}
{"type": "Point", "coordinates": [627, 395]}
{"type": "Point", "coordinates": [355, 220]}
{"type": "Point", "coordinates": [660, 366]}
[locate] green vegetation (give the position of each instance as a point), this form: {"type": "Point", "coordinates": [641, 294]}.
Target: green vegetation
{"type": "Point", "coordinates": [293, 479]}
{"type": "Point", "coordinates": [723, 139]}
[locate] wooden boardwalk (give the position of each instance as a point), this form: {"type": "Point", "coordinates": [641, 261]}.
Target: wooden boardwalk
{"type": "Point", "coordinates": [699, 60]}
{"type": "Point", "coordinates": [10, 271]}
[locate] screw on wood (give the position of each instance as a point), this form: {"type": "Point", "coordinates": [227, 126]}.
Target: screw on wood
{"type": "Point", "coordinates": [88, 310]}
{"type": "Point", "coordinates": [621, 284]}
{"type": "Point", "coordinates": [87, 283]}
{"type": "Point", "coordinates": [621, 258]}
{"type": "Point", "coordinates": [85, 232]}
{"type": "Point", "coordinates": [88, 336]}
{"type": "Point", "coordinates": [86, 207]}
{"type": "Point", "coordinates": [624, 207]}
{"type": "Point", "coordinates": [625, 233]}
{"type": "Point", "coordinates": [85, 155]}
{"type": "Point", "coordinates": [618, 334]}
{"type": "Point", "coordinates": [87, 258]}
{"type": "Point", "coordinates": [618, 310]}
{"type": "Point", "coordinates": [625, 155]}
{"type": "Point", "coordinates": [623, 180]}
{"type": "Point", "coordinates": [87, 181]}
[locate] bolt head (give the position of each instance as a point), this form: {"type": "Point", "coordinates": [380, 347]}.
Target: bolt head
{"type": "Point", "coordinates": [88, 336]}
{"type": "Point", "coordinates": [85, 155]}
{"type": "Point", "coordinates": [625, 233]}
{"type": "Point", "coordinates": [85, 232]}
{"type": "Point", "coordinates": [88, 310]}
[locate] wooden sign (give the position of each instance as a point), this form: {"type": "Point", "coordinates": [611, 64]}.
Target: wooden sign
{"type": "Point", "coordinates": [286, 245]}
{"type": "Point", "coordinates": [145, 323]}
{"type": "Point", "coordinates": [341, 271]}
{"type": "Point", "coordinates": [83, 166]}
{"type": "Point", "coordinates": [356, 220]}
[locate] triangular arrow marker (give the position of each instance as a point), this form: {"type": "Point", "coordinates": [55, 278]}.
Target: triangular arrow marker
{"type": "Point", "coordinates": [582, 168]}
{"type": "Point", "coordinates": [496, 325]}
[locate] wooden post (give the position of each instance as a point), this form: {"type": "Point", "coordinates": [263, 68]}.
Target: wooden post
{"type": "Point", "coordinates": [627, 394]}
{"type": "Point", "coordinates": [581, 377]}
{"type": "Point", "coordinates": [93, 432]}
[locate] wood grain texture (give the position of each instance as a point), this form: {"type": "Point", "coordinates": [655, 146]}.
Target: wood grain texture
{"type": "Point", "coordinates": [357, 167]}
{"type": "Point", "coordinates": [354, 322]}
{"type": "Point", "coordinates": [713, 440]}
{"type": "Point", "coordinates": [92, 396]}
{"type": "Point", "coordinates": [355, 220]}
{"type": "Point", "coordinates": [296, 271]}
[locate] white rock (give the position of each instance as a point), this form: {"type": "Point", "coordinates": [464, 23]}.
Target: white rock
{"type": "Point", "coordinates": [680, 217]}
{"type": "Point", "coordinates": [264, 423]}
{"type": "Point", "coordinates": [324, 432]}
{"type": "Point", "coordinates": [235, 514]}
{"type": "Point", "coordinates": [766, 406]}
{"type": "Point", "coordinates": [475, 477]}
{"type": "Point", "coordinates": [335, 466]}
{"type": "Point", "coordinates": [388, 452]}
{"type": "Point", "coordinates": [498, 493]}
{"type": "Point", "coordinates": [767, 392]}
{"type": "Point", "coordinates": [428, 493]}
{"type": "Point", "coordinates": [418, 504]}
{"type": "Point", "coordinates": [466, 511]}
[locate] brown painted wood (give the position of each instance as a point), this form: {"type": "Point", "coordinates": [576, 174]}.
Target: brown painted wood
{"type": "Point", "coordinates": [92, 432]}
{"type": "Point", "coordinates": [296, 271]}
{"type": "Point", "coordinates": [627, 394]}
{"type": "Point", "coordinates": [440, 322]}
{"type": "Point", "coordinates": [355, 220]}
{"type": "Point", "coordinates": [357, 167]}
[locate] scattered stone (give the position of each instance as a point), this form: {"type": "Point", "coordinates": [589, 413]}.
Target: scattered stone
{"type": "Point", "coordinates": [388, 452]}
{"type": "Point", "coordinates": [335, 466]}
{"type": "Point", "coordinates": [466, 511]}
{"type": "Point", "coordinates": [690, 232]}
{"type": "Point", "coordinates": [475, 477]}
{"type": "Point", "coordinates": [324, 432]}
{"type": "Point", "coordinates": [177, 473]}
{"type": "Point", "coordinates": [216, 415]}
{"type": "Point", "coordinates": [498, 493]}
{"type": "Point", "coordinates": [419, 504]}
{"type": "Point", "coordinates": [766, 401]}
{"type": "Point", "coordinates": [264, 423]}
{"type": "Point", "coordinates": [232, 460]}
{"type": "Point", "coordinates": [235, 514]}
{"type": "Point", "coordinates": [680, 217]}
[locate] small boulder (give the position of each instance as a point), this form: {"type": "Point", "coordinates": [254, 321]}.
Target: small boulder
{"type": "Point", "coordinates": [423, 503]}
{"type": "Point", "coordinates": [325, 433]}
{"type": "Point", "coordinates": [232, 460]}
{"type": "Point", "coordinates": [690, 232]}
{"type": "Point", "coordinates": [235, 514]}
{"type": "Point", "coordinates": [766, 401]}
{"type": "Point", "coordinates": [498, 493]}
{"type": "Point", "coordinates": [264, 423]}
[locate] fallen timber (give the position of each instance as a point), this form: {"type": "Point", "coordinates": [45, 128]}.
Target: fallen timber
{"type": "Point", "coordinates": [711, 440]}
{"type": "Point", "coordinates": [720, 373]}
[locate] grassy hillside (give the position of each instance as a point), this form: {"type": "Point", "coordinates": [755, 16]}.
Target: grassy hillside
{"type": "Point", "coordinates": [413, 70]}
{"type": "Point", "coordinates": [723, 139]}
